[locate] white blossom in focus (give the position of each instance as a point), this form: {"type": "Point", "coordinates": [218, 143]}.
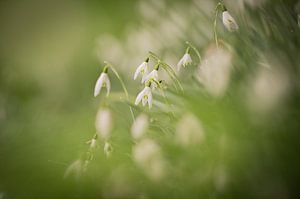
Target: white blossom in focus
{"type": "Point", "coordinates": [184, 61]}
{"type": "Point", "coordinates": [139, 126]}
{"type": "Point", "coordinates": [143, 70]}
{"type": "Point", "coordinates": [152, 77]}
{"type": "Point", "coordinates": [104, 123]}
{"type": "Point", "coordinates": [189, 130]}
{"type": "Point", "coordinates": [229, 22]}
{"type": "Point", "coordinates": [145, 96]}
{"type": "Point", "coordinates": [102, 81]}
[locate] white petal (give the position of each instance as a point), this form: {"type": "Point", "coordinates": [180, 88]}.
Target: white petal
{"type": "Point", "coordinates": [144, 101]}
{"type": "Point", "coordinates": [107, 83]}
{"type": "Point", "coordinates": [150, 99]}
{"type": "Point", "coordinates": [98, 85]}
{"type": "Point", "coordinates": [145, 74]}
{"type": "Point", "coordinates": [187, 59]}
{"type": "Point", "coordinates": [138, 70]}
{"type": "Point", "coordinates": [139, 97]}
{"type": "Point", "coordinates": [229, 22]}
{"type": "Point", "coordinates": [179, 64]}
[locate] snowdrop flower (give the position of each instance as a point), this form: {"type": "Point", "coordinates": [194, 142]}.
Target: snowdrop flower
{"type": "Point", "coordinates": [229, 22]}
{"type": "Point", "coordinates": [103, 123]}
{"type": "Point", "coordinates": [145, 96]}
{"type": "Point", "coordinates": [140, 126]}
{"type": "Point", "coordinates": [103, 81]}
{"type": "Point", "coordinates": [107, 149]}
{"type": "Point", "coordinates": [184, 61]}
{"type": "Point", "coordinates": [142, 69]}
{"type": "Point", "coordinates": [152, 77]}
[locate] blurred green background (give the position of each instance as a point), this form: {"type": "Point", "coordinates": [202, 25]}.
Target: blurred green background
{"type": "Point", "coordinates": [49, 63]}
{"type": "Point", "coordinates": [48, 68]}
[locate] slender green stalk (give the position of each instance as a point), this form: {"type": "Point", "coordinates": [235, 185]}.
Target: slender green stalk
{"type": "Point", "coordinates": [196, 51]}
{"type": "Point", "coordinates": [215, 24]}
{"type": "Point", "coordinates": [122, 84]}
{"type": "Point", "coordinates": [167, 68]}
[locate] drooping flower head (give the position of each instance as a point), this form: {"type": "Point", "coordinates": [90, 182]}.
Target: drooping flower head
{"type": "Point", "coordinates": [102, 81]}
{"type": "Point", "coordinates": [142, 69]}
{"type": "Point", "coordinates": [145, 96]}
{"type": "Point", "coordinates": [185, 60]}
{"type": "Point", "coordinates": [228, 21]}
{"type": "Point", "coordinates": [152, 77]}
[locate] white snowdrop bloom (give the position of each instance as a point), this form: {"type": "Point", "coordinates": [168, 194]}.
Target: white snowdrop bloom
{"type": "Point", "coordinates": [75, 168]}
{"type": "Point", "coordinates": [229, 22]}
{"type": "Point", "coordinates": [139, 126]}
{"type": "Point", "coordinates": [189, 130]}
{"type": "Point", "coordinates": [103, 81]}
{"type": "Point", "coordinates": [214, 72]}
{"type": "Point", "coordinates": [184, 61]}
{"type": "Point", "coordinates": [147, 155]}
{"type": "Point", "coordinates": [145, 96]}
{"type": "Point", "coordinates": [103, 123]}
{"type": "Point", "coordinates": [268, 89]}
{"type": "Point", "coordinates": [142, 69]}
{"type": "Point", "coordinates": [107, 149]}
{"type": "Point", "coordinates": [152, 76]}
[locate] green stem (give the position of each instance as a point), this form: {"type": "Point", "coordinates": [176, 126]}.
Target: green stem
{"type": "Point", "coordinates": [215, 23]}
{"type": "Point", "coordinates": [196, 51]}
{"type": "Point", "coordinates": [167, 68]}
{"type": "Point", "coordinates": [122, 84]}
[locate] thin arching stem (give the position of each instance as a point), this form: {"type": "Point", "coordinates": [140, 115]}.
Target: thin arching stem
{"type": "Point", "coordinates": [167, 68]}
{"type": "Point", "coordinates": [215, 23]}
{"type": "Point", "coordinates": [122, 84]}
{"type": "Point", "coordinates": [196, 51]}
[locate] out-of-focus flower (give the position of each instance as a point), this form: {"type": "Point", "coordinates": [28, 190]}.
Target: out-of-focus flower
{"type": "Point", "coordinates": [104, 123]}
{"type": "Point", "coordinates": [139, 126]}
{"type": "Point", "coordinates": [108, 149]}
{"type": "Point", "coordinates": [229, 22]}
{"type": "Point", "coordinates": [145, 96]}
{"type": "Point", "coordinates": [189, 130]}
{"type": "Point", "coordinates": [103, 81]}
{"type": "Point", "coordinates": [184, 61]}
{"type": "Point", "coordinates": [92, 143]}
{"type": "Point", "coordinates": [268, 89]}
{"type": "Point", "coordinates": [142, 69]}
{"type": "Point", "coordinates": [76, 168]}
{"type": "Point", "coordinates": [214, 72]}
{"type": "Point", "coordinates": [147, 156]}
